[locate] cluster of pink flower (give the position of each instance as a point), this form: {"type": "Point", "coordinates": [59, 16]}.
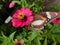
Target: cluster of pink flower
{"type": "Point", "coordinates": [23, 17]}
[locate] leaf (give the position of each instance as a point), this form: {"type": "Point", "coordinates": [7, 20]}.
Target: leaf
{"type": "Point", "coordinates": [12, 35]}
{"type": "Point", "coordinates": [57, 37]}
{"type": "Point", "coordinates": [3, 35]}
{"type": "Point", "coordinates": [53, 38]}
{"type": "Point", "coordinates": [18, 2]}
{"type": "Point", "coordinates": [33, 35]}
{"type": "Point", "coordinates": [49, 26]}
{"type": "Point", "coordinates": [32, 5]}
{"type": "Point", "coordinates": [37, 41]}
{"type": "Point", "coordinates": [19, 37]}
{"type": "Point", "coordinates": [1, 6]}
{"type": "Point", "coordinates": [1, 38]}
{"type": "Point", "coordinates": [57, 8]}
{"type": "Point", "coordinates": [54, 43]}
{"type": "Point", "coordinates": [32, 27]}
{"type": "Point", "coordinates": [5, 42]}
{"type": "Point", "coordinates": [45, 41]}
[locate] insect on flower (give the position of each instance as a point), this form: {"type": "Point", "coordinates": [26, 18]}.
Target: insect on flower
{"type": "Point", "coordinates": [42, 19]}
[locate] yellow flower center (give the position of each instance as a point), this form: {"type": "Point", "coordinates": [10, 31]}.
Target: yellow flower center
{"type": "Point", "coordinates": [21, 16]}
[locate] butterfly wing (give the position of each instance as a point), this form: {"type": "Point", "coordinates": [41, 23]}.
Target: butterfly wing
{"type": "Point", "coordinates": [42, 19]}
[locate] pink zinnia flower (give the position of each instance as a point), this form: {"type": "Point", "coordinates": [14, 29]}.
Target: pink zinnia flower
{"type": "Point", "coordinates": [57, 21]}
{"type": "Point", "coordinates": [11, 4]}
{"type": "Point", "coordinates": [22, 17]}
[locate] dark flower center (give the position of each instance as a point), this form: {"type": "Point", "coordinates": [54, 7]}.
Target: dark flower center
{"type": "Point", "coordinates": [22, 17]}
{"type": "Point", "coordinates": [25, 19]}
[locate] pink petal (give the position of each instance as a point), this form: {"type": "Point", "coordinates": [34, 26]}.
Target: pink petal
{"type": "Point", "coordinates": [23, 24]}
{"type": "Point", "coordinates": [16, 14]}
{"type": "Point", "coordinates": [58, 12]}
{"type": "Point", "coordinates": [28, 12]}
{"type": "Point", "coordinates": [57, 21]}
{"type": "Point", "coordinates": [29, 20]}
{"type": "Point", "coordinates": [11, 4]}
{"type": "Point", "coordinates": [22, 10]}
{"type": "Point", "coordinates": [16, 23]}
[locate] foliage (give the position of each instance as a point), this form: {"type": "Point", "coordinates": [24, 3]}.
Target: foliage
{"type": "Point", "coordinates": [48, 36]}
{"type": "Point", "coordinates": [36, 6]}
{"type": "Point", "coordinates": [57, 8]}
{"type": "Point", "coordinates": [7, 40]}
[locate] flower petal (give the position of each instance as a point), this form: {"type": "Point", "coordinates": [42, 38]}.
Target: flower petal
{"type": "Point", "coordinates": [16, 14]}
{"type": "Point", "coordinates": [11, 4]}
{"type": "Point", "coordinates": [23, 24]}
{"type": "Point", "coordinates": [22, 10]}
{"type": "Point", "coordinates": [29, 20]}
{"type": "Point", "coordinates": [16, 22]}
{"type": "Point", "coordinates": [57, 21]}
{"type": "Point", "coordinates": [58, 12]}
{"type": "Point", "coordinates": [28, 12]}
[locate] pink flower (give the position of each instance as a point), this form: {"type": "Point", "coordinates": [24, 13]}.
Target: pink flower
{"type": "Point", "coordinates": [22, 17]}
{"type": "Point", "coordinates": [57, 21]}
{"type": "Point", "coordinates": [11, 4]}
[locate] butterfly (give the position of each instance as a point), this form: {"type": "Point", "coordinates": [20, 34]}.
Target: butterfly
{"type": "Point", "coordinates": [43, 18]}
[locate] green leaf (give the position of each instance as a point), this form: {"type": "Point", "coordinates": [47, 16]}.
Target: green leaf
{"type": "Point", "coordinates": [1, 38]}
{"type": "Point", "coordinates": [45, 41]}
{"type": "Point", "coordinates": [12, 35]}
{"type": "Point", "coordinates": [57, 37]}
{"type": "Point", "coordinates": [19, 37]}
{"type": "Point", "coordinates": [18, 2]}
{"type": "Point", "coordinates": [32, 5]}
{"type": "Point", "coordinates": [49, 26]}
{"type": "Point", "coordinates": [37, 41]}
{"type": "Point", "coordinates": [54, 40]}
{"type": "Point", "coordinates": [57, 8]}
{"type": "Point", "coordinates": [33, 35]}
{"type": "Point", "coordinates": [54, 43]}
{"type": "Point", "coordinates": [3, 35]}
{"type": "Point", "coordinates": [1, 6]}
